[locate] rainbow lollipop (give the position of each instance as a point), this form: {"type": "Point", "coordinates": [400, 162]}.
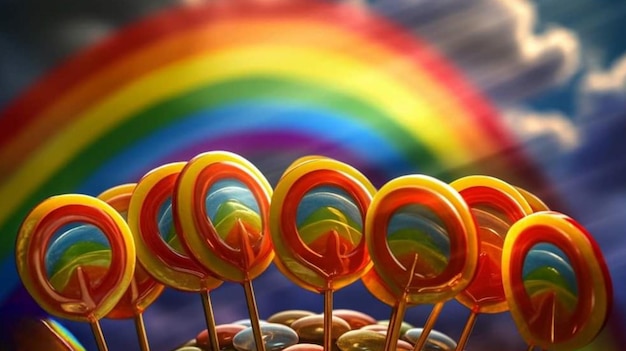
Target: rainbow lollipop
{"type": "Point", "coordinates": [222, 207]}
{"type": "Point", "coordinates": [496, 205]}
{"type": "Point", "coordinates": [553, 308]}
{"type": "Point", "coordinates": [143, 290]}
{"type": "Point", "coordinates": [81, 288]}
{"type": "Point", "coordinates": [317, 213]}
{"type": "Point", "coordinates": [149, 217]}
{"type": "Point", "coordinates": [423, 242]}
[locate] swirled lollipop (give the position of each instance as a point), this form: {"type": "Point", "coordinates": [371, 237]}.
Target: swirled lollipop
{"type": "Point", "coordinates": [496, 205]}
{"type": "Point", "coordinates": [222, 213]}
{"type": "Point", "coordinates": [317, 213]}
{"type": "Point", "coordinates": [423, 242]}
{"type": "Point", "coordinates": [552, 309]}
{"type": "Point", "coordinates": [150, 217]}
{"type": "Point", "coordinates": [144, 289]}
{"type": "Point", "coordinates": [81, 288]}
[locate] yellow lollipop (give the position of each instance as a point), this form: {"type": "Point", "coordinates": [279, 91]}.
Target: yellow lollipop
{"type": "Point", "coordinates": [83, 290]}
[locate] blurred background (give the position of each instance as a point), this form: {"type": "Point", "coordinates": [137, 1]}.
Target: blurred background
{"type": "Point", "coordinates": [96, 93]}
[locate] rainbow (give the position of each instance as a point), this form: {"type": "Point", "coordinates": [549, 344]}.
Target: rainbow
{"type": "Point", "coordinates": [271, 82]}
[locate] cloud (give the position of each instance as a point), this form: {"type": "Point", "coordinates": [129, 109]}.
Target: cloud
{"type": "Point", "coordinates": [546, 134]}
{"type": "Point", "coordinates": [494, 43]}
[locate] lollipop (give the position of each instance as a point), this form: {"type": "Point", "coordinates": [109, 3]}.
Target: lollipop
{"type": "Point", "coordinates": [317, 213]}
{"type": "Point", "coordinates": [149, 217]}
{"type": "Point", "coordinates": [143, 288]}
{"type": "Point", "coordinates": [222, 207]}
{"type": "Point", "coordinates": [496, 205]}
{"type": "Point", "coordinates": [83, 288]}
{"type": "Point", "coordinates": [551, 309]}
{"type": "Point", "coordinates": [423, 242]}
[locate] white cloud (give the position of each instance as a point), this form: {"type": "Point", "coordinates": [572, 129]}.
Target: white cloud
{"type": "Point", "coordinates": [494, 42]}
{"type": "Point", "coordinates": [548, 133]}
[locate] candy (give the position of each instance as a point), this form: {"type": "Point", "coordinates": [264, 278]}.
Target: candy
{"type": "Point", "coordinates": [496, 205]}
{"type": "Point", "coordinates": [549, 311]}
{"type": "Point", "coordinates": [404, 326]}
{"type": "Point", "coordinates": [310, 329]}
{"type": "Point", "coordinates": [367, 340]}
{"type": "Point", "coordinates": [275, 336]}
{"type": "Point", "coordinates": [221, 190]}
{"type": "Point", "coordinates": [437, 341]}
{"type": "Point", "coordinates": [423, 242]}
{"type": "Point", "coordinates": [169, 266]}
{"type": "Point", "coordinates": [355, 319]}
{"type": "Point", "coordinates": [144, 289]}
{"type": "Point", "coordinates": [316, 218]}
{"type": "Point", "coordinates": [89, 292]}
{"type": "Point", "coordinates": [288, 317]}
{"type": "Point", "coordinates": [148, 211]}
{"type": "Point", "coordinates": [304, 347]}
{"type": "Point", "coordinates": [225, 334]}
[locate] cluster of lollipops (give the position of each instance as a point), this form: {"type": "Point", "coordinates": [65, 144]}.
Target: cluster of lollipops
{"type": "Point", "coordinates": [417, 240]}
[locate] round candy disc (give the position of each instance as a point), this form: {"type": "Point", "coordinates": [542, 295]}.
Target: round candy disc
{"type": "Point", "coordinates": [496, 205]}
{"type": "Point", "coordinates": [89, 292]}
{"type": "Point", "coordinates": [316, 216]}
{"type": "Point", "coordinates": [548, 311]}
{"type": "Point", "coordinates": [149, 213]}
{"type": "Point", "coordinates": [143, 289]}
{"type": "Point", "coordinates": [422, 240]}
{"type": "Point", "coordinates": [222, 208]}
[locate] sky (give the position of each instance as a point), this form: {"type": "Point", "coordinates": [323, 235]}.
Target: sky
{"type": "Point", "coordinates": [555, 69]}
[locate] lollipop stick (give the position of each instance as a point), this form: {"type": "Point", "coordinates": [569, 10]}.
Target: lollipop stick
{"type": "Point", "coordinates": [530, 347]}
{"type": "Point", "coordinates": [254, 315]}
{"type": "Point", "coordinates": [141, 332]}
{"type": "Point", "coordinates": [97, 333]}
{"type": "Point", "coordinates": [430, 323]}
{"type": "Point", "coordinates": [328, 318]}
{"type": "Point", "coordinates": [467, 331]}
{"type": "Point", "coordinates": [210, 319]}
{"type": "Point", "coordinates": [395, 324]}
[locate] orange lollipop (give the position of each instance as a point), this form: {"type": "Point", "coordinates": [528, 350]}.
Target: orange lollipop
{"type": "Point", "coordinates": [423, 242]}
{"type": "Point", "coordinates": [496, 205]}
{"type": "Point", "coordinates": [84, 290]}
{"type": "Point", "coordinates": [143, 290]}
{"type": "Point", "coordinates": [150, 216]}
{"type": "Point", "coordinates": [549, 312]}
{"type": "Point", "coordinates": [222, 207]}
{"type": "Point", "coordinates": [317, 213]}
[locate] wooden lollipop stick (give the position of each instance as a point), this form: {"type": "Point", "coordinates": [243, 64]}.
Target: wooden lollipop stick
{"type": "Point", "coordinates": [395, 324]}
{"type": "Point", "coordinates": [469, 325]}
{"type": "Point", "coordinates": [210, 320]}
{"type": "Point", "coordinates": [254, 315]}
{"type": "Point", "coordinates": [141, 332]}
{"type": "Point", "coordinates": [430, 323]}
{"type": "Point", "coordinates": [97, 333]}
{"type": "Point", "coordinates": [328, 318]}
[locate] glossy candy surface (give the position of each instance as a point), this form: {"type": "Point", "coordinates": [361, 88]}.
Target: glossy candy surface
{"type": "Point", "coordinates": [276, 337]}
{"type": "Point", "coordinates": [355, 319]}
{"type": "Point", "coordinates": [93, 285]}
{"type": "Point", "coordinates": [288, 317]}
{"type": "Point", "coordinates": [367, 340]}
{"type": "Point", "coordinates": [496, 205]}
{"type": "Point", "coordinates": [166, 263]}
{"type": "Point", "coordinates": [548, 309]}
{"type": "Point", "coordinates": [310, 329]}
{"type": "Point", "coordinates": [437, 341]}
{"type": "Point", "coordinates": [316, 216]}
{"type": "Point", "coordinates": [225, 334]}
{"type": "Point", "coordinates": [222, 211]}
{"type": "Point", "coordinates": [143, 289]}
{"type": "Point", "coordinates": [431, 254]}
